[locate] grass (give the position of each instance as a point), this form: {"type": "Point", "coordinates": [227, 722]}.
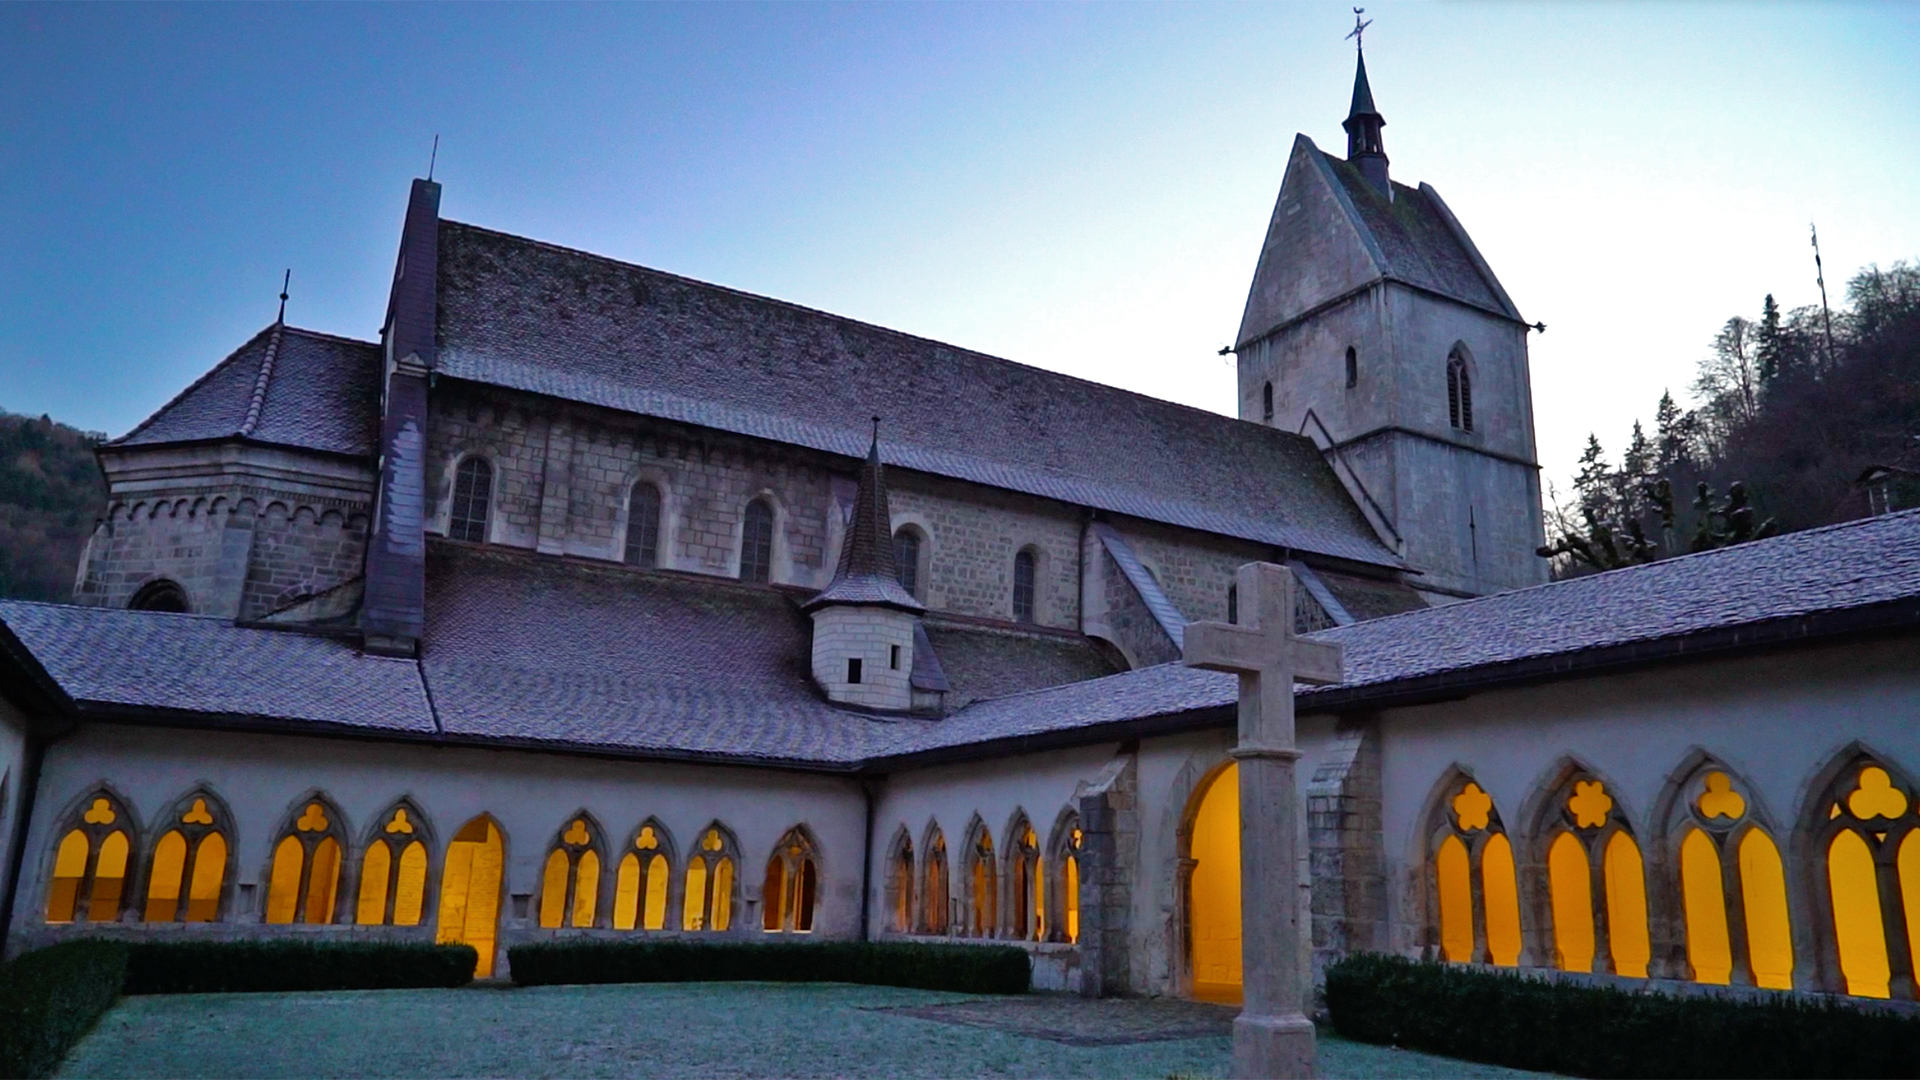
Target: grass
{"type": "Point", "coordinates": [709, 1029]}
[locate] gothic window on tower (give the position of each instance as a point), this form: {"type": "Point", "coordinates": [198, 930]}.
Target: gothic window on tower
{"type": "Point", "coordinates": [1023, 576]}
{"type": "Point", "coordinates": [472, 498]}
{"type": "Point", "coordinates": [906, 559]}
{"type": "Point", "coordinates": [1459, 393]}
{"type": "Point", "coordinates": [756, 542]}
{"type": "Point", "coordinates": [1266, 403]}
{"type": "Point", "coordinates": [643, 525]}
{"type": "Point", "coordinates": [1353, 368]}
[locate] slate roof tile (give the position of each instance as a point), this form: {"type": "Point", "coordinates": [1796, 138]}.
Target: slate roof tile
{"type": "Point", "coordinates": [203, 664]}
{"type": "Point", "coordinates": [321, 393]}
{"type": "Point", "coordinates": [534, 317]}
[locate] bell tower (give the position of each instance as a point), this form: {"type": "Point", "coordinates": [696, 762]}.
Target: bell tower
{"type": "Point", "coordinates": [1375, 327]}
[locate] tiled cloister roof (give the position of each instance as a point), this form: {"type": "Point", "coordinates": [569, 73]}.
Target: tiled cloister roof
{"type": "Point", "coordinates": [546, 652]}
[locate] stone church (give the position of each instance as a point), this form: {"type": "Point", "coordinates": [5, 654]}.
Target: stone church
{"type": "Point", "coordinates": [594, 601]}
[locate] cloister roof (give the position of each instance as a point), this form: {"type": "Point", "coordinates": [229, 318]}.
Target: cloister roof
{"type": "Point", "coordinates": [567, 656]}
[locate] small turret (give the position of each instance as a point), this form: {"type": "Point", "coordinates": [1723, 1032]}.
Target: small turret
{"type": "Point", "coordinates": [1365, 150]}
{"type": "Point", "coordinates": [864, 620]}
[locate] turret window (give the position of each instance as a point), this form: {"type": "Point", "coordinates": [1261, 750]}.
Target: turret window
{"type": "Point", "coordinates": [1459, 393]}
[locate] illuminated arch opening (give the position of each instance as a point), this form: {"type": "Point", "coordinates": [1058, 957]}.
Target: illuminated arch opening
{"type": "Point", "coordinates": [708, 900]}
{"type": "Point", "coordinates": [570, 883]}
{"type": "Point", "coordinates": [792, 885]}
{"type": "Point", "coordinates": [190, 861]}
{"type": "Point", "coordinates": [90, 862]}
{"type": "Point", "coordinates": [393, 872]}
{"type": "Point", "coordinates": [470, 891]}
{"type": "Point", "coordinates": [1872, 859]}
{"type": "Point", "coordinates": [304, 882]}
{"type": "Point", "coordinates": [1214, 889]}
{"type": "Point", "coordinates": [900, 882]}
{"type": "Point", "coordinates": [936, 912]}
{"type": "Point", "coordinates": [983, 875]}
{"type": "Point", "coordinates": [1469, 830]}
{"type": "Point", "coordinates": [640, 892]}
{"type": "Point", "coordinates": [1063, 881]}
{"type": "Point", "coordinates": [1026, 883]}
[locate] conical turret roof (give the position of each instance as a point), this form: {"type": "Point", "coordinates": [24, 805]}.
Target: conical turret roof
{"type": "Point", "coordinates": [866, 574]}
{"type": "Point", "coordinates": [1362, 93]}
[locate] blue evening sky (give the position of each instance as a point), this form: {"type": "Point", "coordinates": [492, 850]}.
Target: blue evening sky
{"type": "Point", "coordinates": [1081, 187]}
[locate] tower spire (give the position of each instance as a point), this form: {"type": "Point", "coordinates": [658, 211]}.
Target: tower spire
{"type": "Point", "coordinates": [866, 574]}
{"type": "Point", "coordinates": [1365, 150]}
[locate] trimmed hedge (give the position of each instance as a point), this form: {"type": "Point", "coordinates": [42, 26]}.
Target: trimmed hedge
{"type": "Point", "coordinates": [51, 997]}
{"type": "Point", "coordinates": [1532, 1023]}
{"type": "Point", "coordinates": [972, 969]}
{"type": "Point", "coordinates": [197, 967]}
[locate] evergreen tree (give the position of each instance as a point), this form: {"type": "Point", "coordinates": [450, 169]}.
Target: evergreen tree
{"type": "Point", "coordinates": [1593, 484]}
{"type": "Point", "coordinates": [1767, 350]}
{"type": "Point", "coordinates": [1670, 446]}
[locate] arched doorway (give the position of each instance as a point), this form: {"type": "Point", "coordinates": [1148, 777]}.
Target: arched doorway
{"type": "Point", "coordinates": [1214, 889]}
{"type": "Point", "coordinates": [470, 890]}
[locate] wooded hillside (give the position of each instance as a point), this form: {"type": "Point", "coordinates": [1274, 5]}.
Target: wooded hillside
{"type": "Point", "coordinates": [1791, 409]}
{"type": "Point", "coordinates": [51, 493]}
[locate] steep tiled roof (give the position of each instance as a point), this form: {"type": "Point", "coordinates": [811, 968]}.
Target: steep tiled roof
{"type": "Point", "coordinates": [551, 651]}
{"type": "Point", "coordinates": [866, 573]}
{"type": "Point", "coordinates": [206, 665]}
{"type": "Point", "coordinates": [547, 320]}
{"type": "Point", "coordinates": [1413, 234]}
{"type": "Point", "coordinates": [291, 388]}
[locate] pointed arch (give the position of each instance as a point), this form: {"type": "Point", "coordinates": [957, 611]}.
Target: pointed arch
{"type": "Point", "coordinates": [1063, 877]}
{"type": "Point", "coordinates": [936, 887]}
{"type": "Point", "coordinates": [1473, 891]}
{"type": "Point", "coordinates": [1211, 870]}
{"type": "Point", "coordinates": [711, 891]}
{"type": "Point", "coordinates": [90, 862]}
{"type": "Point", "coordinates": [1025, 893]}
{"type": "Point", "coordinates": [395, 866]}
{"type": "Point", "coordinates": [981, 881]}
{"type": "Point", "coordinates": [790, 893]}
{"type": "Point", "coordinates": [303, 877]}
{"type": "Point", "coordinates": [644, 880]}
{"type": "Point", "coordinates": [570, 878]}
{"type": "Point", "coordinates": [900, 881]}
{"type": "Point", "coordinates": [190, 864]}
{"type": "Point", "coordinates": [1460, 374]}
{"type": "Point", "coordinates": [471, 879]}
{"type": "Point", "coordinates": [1596, 907]}
{"type": "Point", "coordinates": [1733, 918]}
{"type": "Point", "coordinates": [1860, 832]}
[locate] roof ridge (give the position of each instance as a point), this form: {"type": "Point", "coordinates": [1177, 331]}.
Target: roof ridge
{"type": "Point", "coordinates": [850, 321]}
{"type": "Point", "coordinates": [191, 387]}
{"type": "Point", "coordinates": [104, 609]}
{"type": "Point", "coordinates": [1684, 556]}
{"type": "Point", "coordinates": [260, 382]}
{"type": "Point", "coordinates": [322, 335]}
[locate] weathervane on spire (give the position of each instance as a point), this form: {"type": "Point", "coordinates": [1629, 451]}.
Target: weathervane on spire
{"type": "Point", "coordinates": [1359, 27]}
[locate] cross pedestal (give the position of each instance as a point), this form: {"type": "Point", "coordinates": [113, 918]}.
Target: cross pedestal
{"type": "Point", "coordinates": [1272, 1036]}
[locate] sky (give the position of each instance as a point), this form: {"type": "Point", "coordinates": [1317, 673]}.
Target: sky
{"type": "Point", "coordinates": [1081, 187]}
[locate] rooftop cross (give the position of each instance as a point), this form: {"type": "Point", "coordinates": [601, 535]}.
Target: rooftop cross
{"type": "Point", "coordinates": [1272, 1036]}
{"type": "Point", "coordinates": [1359, 28]}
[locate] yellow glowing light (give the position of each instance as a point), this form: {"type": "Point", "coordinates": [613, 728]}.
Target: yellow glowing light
{"type": "Point", "coordinates": [283, 884]}
{"type": "Point", "coordinates": [109, 875]}
{"type": "Point", "coordinates": [553, 889]}
{"type": "Point", "coordinates": [100, 813]}
{"type": "Point", "coordinates": [655, 915]}
{"type": "Point", "coordinates": [626, 892]}
{"type": "Point", "coordinates": [69, 869]}
{"type": "Point", "coordinates": [314, 820]}
{"type": "Point", "coordinates": [1216, 890]}
{"type": "Point", "coordinates": [375, 868]}
{"type": "Point", "coordinates": [1570, 880]}
{"type": "Point", "coordinates": [209, 872]}
{"type": "Point", "coordinates": [400, 824]}
{"type": "Point", "coordinates": [1705, 900]}
{"type": "Point", "coordinates": [586, 888]}
{"type": "Point", "coordinates": [1720, 800]}
{"type": "Point", "coordinates": [1501, 893]}
{"type": "Point", "coordinates": [1763, 891]}
{"type": "Point", "coordinates": [410, 892]}
{"type": "Point", "coordinates": [470, 891]}
{"type": "Point", "coordinates": [694, 904]}
{"type": "Point", "coordinates": [774, 900]}
{"type": "Point", "coordinates": [1073, 898]}
{"type": "Point", "coordinates": [1908, 866]}
{"type": "Point", "coordinates": [1876, 797]}
{"type": "Point", "coordinates": [1590, 804]}
{"type": "Point", "coordinates": [164, 877]}
{"type": "Point", "coordinates": [324, 883]}
{"type": "Point", "coordinates": [1627, 938]}
{"type": "Point", "coordinates": [1472, 808]}
{"type": "Point", "coordinates": [722, 916]}
{"type": "Point", "coordinates": [1857, 926]}
{"type": "Point", "coordinates": [198, 814]}
{"type": "Point", "coordinates": [1456, 900]}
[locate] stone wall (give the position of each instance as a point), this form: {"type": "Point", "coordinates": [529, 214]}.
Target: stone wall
{"type": "Point", "coordinates": [975, 533]}
{"type": "Point", "coordinates": [1194, 571]}
{"type": "Point", "coordinates": [880, 638]}
{"type": "Point", "coordinates": [1348, 863]}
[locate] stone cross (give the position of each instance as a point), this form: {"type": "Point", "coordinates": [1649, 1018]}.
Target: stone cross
{"type": "Point", "coordinates": [1272, 1036]}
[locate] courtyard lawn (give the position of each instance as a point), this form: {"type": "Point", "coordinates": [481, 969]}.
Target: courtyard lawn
{"type": "Point", "coordinates": [704, 1029]}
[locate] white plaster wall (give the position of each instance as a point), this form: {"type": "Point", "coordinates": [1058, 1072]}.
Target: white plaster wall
{"type": "Point", "coordinates": [532, 796]}
{"type": "Point", "coordinates": [1776, 720]}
